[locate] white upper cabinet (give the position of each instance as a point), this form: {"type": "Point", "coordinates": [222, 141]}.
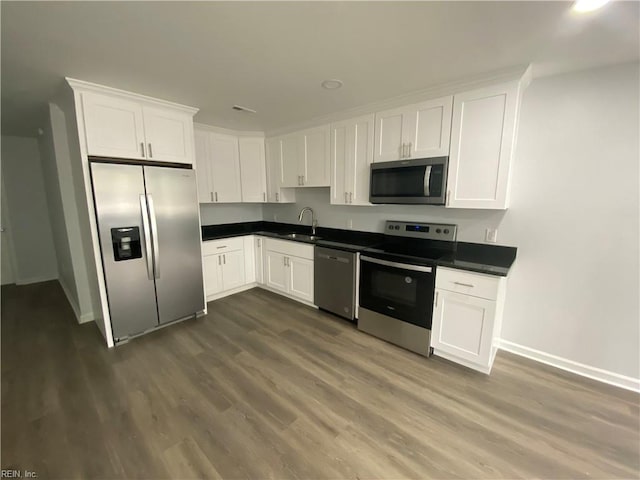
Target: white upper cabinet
{"type": "Point", "coordinates": [169, 135]}
{"type": "Point", "coordinates": [253, 173]}
{"type": "Point", "coordinates": [291, 153]}
{"type": "Point", "coordinates": [275, 192]}
{"type": "Point", "coordinates": [217, 167]}
{"type": "Point", "coordinates": [225, 168]}
{"type": "Point", "coordinates": [120, 126]}
{"type": "Point", "coordinates": [203, 167]}
{"type": "Point", "coordinates": [351, 157]}
{"type": "Point", "coordinates": [305, 158]}
{"type": "Point", "coordinates": [113, 126]}
{"type": "Point", "coordinates": [482, 144]}
{"type": "Point", "coordinates": [420, 130]}
{"type": "Point", "coordinates": [314, 164]}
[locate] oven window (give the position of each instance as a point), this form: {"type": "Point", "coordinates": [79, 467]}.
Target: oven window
{"type": "Point", "coordinates": [396, 292]}
{"type": "Point", "coordinates": [398, 289]}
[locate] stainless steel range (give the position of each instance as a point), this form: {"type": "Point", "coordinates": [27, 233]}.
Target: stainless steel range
{"type": "Point", "coordinates": [397, 282]}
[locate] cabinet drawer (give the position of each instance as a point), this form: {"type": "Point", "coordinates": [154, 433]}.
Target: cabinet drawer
{"type": "Point", "coordinates": [211, 247]}
{"type": "Point", "coordinates": [468, 283]}
{"type": "Point", "coordinates": [294, 249]}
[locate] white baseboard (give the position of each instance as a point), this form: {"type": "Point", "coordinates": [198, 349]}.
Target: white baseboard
{"type": "Point", "coordinates": [30, 280]}
{"type": "Point", "coordinates": [81, 318]}
{"type": "Point", "coordinates": [226, 293]}
{"type": "Point", "coordinates": [605, 376]}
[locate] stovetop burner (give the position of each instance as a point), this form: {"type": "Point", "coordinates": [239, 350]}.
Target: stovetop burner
{"type": "Point", "coordinates": [416, 243]}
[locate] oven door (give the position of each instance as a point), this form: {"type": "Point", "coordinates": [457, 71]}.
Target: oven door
{"type": "Point", "coordinates": [420, 181]}
{"type": "Point", "coordinates": [397, 290]}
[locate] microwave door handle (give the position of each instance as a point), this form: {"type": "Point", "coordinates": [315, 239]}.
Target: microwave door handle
{"type": "Point", "coordinates": [427, 180]}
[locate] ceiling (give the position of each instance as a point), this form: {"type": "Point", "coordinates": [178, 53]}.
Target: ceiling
{"type": "Point", "coordinates": [273, 56]}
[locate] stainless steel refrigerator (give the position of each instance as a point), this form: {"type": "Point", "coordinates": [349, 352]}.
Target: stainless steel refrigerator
{"type": "Point", "coordinates": [149, 232]}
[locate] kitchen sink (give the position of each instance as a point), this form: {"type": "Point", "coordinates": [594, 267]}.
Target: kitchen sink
{"type": "Point", "coordinates": [301, 236]}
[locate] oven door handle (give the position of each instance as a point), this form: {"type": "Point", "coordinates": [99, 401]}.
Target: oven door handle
{"type": "Point", "coordinates": [427, 180]}
{"type": "Point", "coordinates": [414, 268]}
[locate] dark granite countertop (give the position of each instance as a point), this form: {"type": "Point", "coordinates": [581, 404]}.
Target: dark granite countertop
{"type": "Point", "coordinates": [475, 257]}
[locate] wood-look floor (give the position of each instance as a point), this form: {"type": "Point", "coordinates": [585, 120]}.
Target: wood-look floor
{"type": "Point", "coordinates": [265, 388]}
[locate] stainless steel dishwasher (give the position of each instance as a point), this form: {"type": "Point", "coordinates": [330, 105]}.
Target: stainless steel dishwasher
{"type": "Point", "coordinates": [335, 281]}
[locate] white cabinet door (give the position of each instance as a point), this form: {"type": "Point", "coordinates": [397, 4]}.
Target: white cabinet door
{"type": "Point", "coordinates": [259, 260]}
{"type": "Point", "coordinates": [275, 271]}
{"type": "Point", "coordinates": [340, 153]}
{"type": "Point", "coordinates": [233, 269]}
{"type": "Point", "coordinates": [300, 278]}
{"type": "Point", "coordinates": [351, 157]}
{"type": "Point", "coordinates": [225, 168]}
{"type": "Point", "coordinates": [274, 168]}
{"type": "Point", "coordinates": [463, 326]}
{"type": "Point", "coordinates": [169, 135]}
{"type": "Point", "coordinates": [315, 163]}
{"type": "Point", "coordinates": [291, 154]}
{"type": "Point", "coordinates": [212, 274]}
{"type": "Point", "coordinates": [203, 167]}
{"type": "Point", "coordinates": [429, 127]}
{"type": "Point", "coordinates": [390, 135]}
{"type": "Point", "coordinates": [253, 175]}
{"type": "Point", "coordinates": [482, 141]}
{"type": "Point", "coordinates": [114, 127]}
{"type": "Point", "coordinates": [275, 192]}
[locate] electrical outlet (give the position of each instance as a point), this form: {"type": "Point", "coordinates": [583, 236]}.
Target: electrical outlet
{"type": "Point", "coordinates": [491, 235]}
{"type": "Point", "coordinates": [350, 224]}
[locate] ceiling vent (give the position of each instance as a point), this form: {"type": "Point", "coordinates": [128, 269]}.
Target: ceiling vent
{"type": "Point", "coordinates": [240, 108]}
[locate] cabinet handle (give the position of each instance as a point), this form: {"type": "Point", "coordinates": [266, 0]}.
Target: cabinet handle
{"type": "Point", "coordinates": [277, 197]}
{"type": "Point", "coordinates": [142, 148]}
{"type": "Point", "coordinates": [436, 302]}
{"type": "Point", "coordinates": [264, 197]}
{"type": "Point", "coordinates": [288, 262]}
{"type": "Point", "coordinates": [350, 197]}
{"type": "Point", "coordinates": [223, 246]}
{"type": "Point", "coordinates": [258, 242]}
{"type": "Point", "coordinates": [150, 151]}
{"type": "Point", "coordinates": [346, 200]}
{"type": "Point", "coordinates": [409, 149]}
{"type": "Point", "coordinates": [464, 284]}
{"type": "Point", "coordinates": [302, 179]}
{"type": "Point", "coordinates": [216, 195]}
{"type": "Point", "coordinates": [211, 196]}
{"type": "Point", "coordinates": [219, 259]}
{"type": "Point", "coordinates": [284, 261]}
{"type": "Point", "coordinates": [224, 259]}
{"type": "Point", "coordinates": [402, 150]}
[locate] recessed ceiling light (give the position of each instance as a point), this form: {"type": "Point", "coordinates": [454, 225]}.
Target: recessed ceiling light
{"type": "Point", "coordinates": [240, 108]}
{"type": "Point", "coordinates": [332, 84]}
{"type": "Point", "coordinates": [588, 5]}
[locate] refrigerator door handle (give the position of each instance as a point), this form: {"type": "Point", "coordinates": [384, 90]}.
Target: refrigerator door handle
{"type": "Point", "coordinates": [147, 236]}
{"type": "Point", "coordinates": [154, 236]}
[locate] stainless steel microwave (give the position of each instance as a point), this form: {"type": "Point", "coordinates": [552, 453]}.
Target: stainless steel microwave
{"type": "Point", "coordinates": [419, 181]}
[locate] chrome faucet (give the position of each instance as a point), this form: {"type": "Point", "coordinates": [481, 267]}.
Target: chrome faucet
{"type": "Point", "coordinates": [314, 222]}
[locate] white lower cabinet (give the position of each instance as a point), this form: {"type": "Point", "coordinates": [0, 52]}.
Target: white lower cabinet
{"type": "Point", "coordinates": [258, 243]}
{"type": "Point", "coordinates": [227, 265]}
{"type": "Point", "coordinates": [288, 268]}
{"type": "Point", "coordinates": [467, 317]}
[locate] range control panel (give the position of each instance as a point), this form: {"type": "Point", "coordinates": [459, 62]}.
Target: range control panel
{"type": "Point", "coordinates": [430, 231]}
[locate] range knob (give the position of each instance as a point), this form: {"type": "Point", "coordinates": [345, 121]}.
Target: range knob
{"type": "Point", "coordinates": [397, 227]}
{"type": "Point", "coordinates": [446, 231]}
{"type": "Point", "coordinates": [438, 230]}
{"type": "Point", "coordinates": [390, 227]}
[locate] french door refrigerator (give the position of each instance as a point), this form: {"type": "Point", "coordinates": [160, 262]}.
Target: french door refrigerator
{"type": "Point", "coordinates": [149, 232]}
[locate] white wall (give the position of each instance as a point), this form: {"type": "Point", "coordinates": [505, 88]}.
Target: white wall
{"type": "Point", "coordinates": [229, 213]}
{"type": "Point", "coordinates": [53, 158]}
{"type": "Point", "coordinates": [471, 223]}
{"type": "Point", "coordinates": [574, 216]}
{"type": "Point", "coordinates": [35, 257]}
